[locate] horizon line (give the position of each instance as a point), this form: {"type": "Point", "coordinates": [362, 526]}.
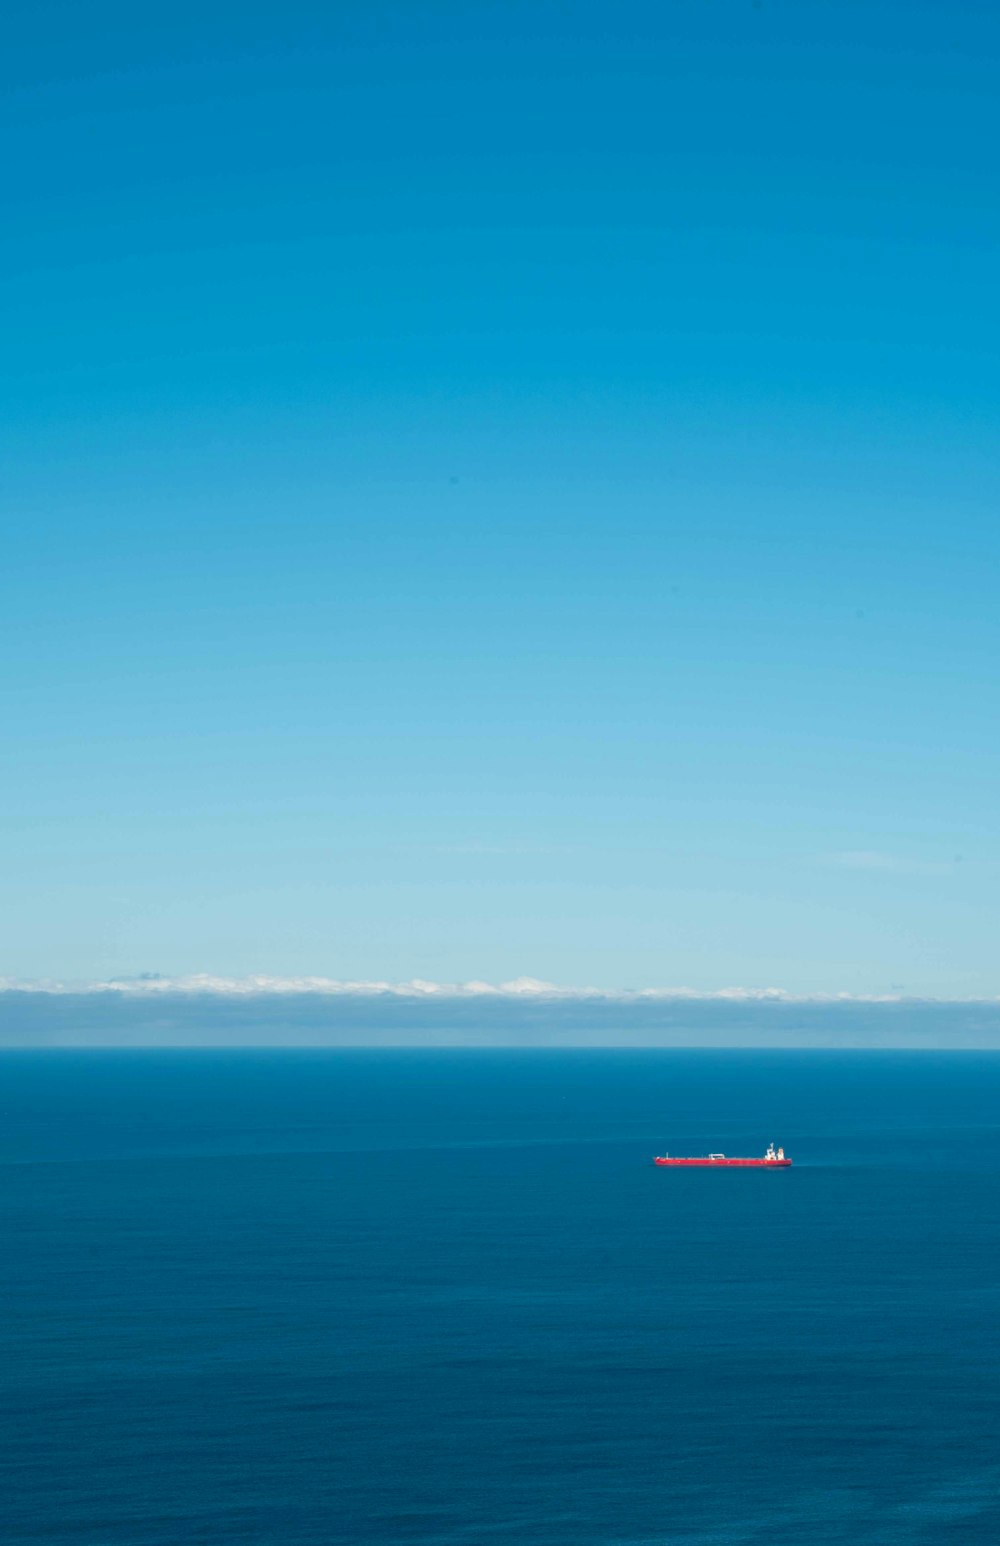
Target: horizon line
{"type": "Point", "coordinates": [205, 984]}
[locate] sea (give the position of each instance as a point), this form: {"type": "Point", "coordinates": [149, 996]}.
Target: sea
{"type": "Point", "coordinates": [437, 1298]}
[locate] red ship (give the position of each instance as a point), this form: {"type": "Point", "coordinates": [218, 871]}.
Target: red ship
{"type": "Point", "coordinates": [773, 1159]}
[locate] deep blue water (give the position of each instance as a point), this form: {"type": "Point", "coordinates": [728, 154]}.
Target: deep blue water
{"type": "Point", "coordinates": [445, 1298]}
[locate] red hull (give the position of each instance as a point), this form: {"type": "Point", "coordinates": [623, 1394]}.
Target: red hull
{"type": "Point", "coordinates": [719, 1164]}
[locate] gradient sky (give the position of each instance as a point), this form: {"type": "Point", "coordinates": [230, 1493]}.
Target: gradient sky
{"type": "Point", "coordinates": [502, 488]}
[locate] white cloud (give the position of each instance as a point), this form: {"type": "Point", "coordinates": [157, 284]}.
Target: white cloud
{"type": "Point", "coordinates": [418, 988]}
{"type": "Point", "coordinates": [891, 864]}
{"type": "Point", "coordinates": [865, 859]}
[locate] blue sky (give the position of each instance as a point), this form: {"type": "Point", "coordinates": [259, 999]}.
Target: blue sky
{"type": "Point", "coordinates": [498, 490]}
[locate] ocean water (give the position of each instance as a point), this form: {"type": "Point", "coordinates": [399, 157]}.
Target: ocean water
{"type": "Point", "coordinates": [445, 1298]}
